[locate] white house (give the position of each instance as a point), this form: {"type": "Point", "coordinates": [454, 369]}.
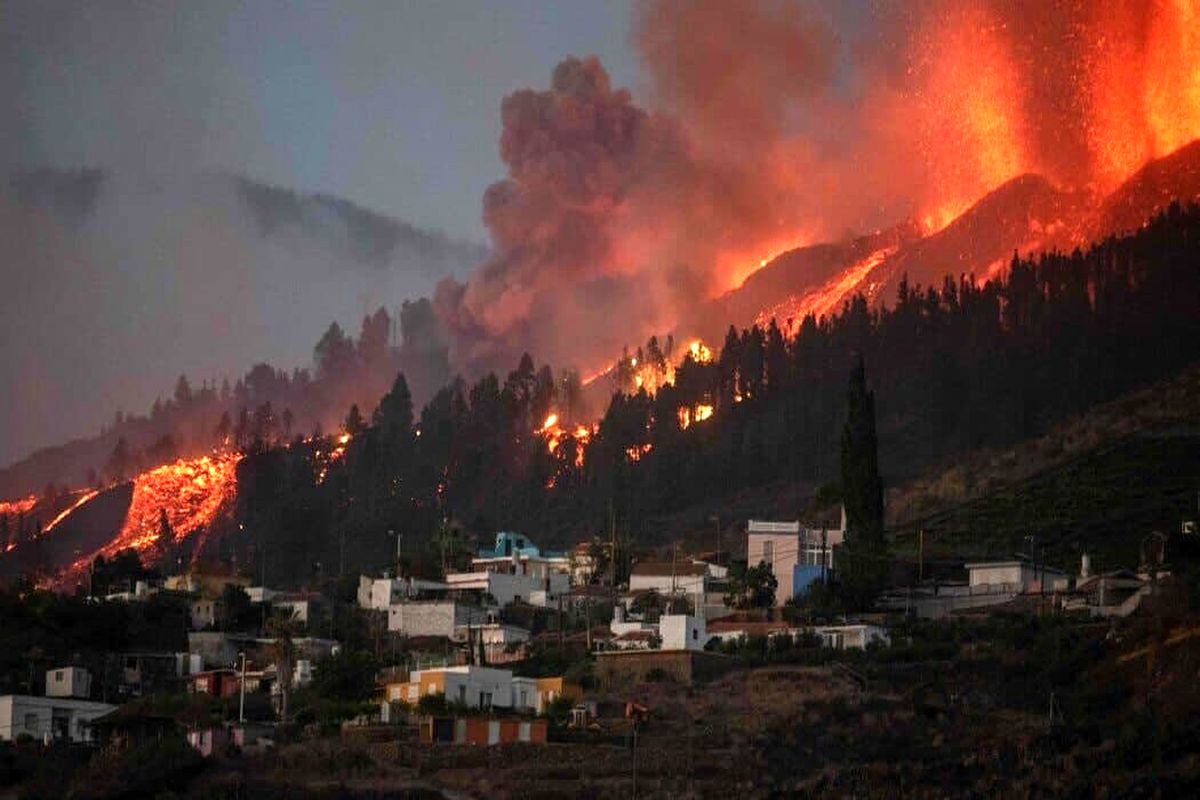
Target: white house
{"type": "Point", "coordinates": [501, 642]}
{"type": "Point", "coordinates": [448, 618]}
{"type": "Point", "coordinates": [854, 636]}
{"type": "Point", "coordinates": [1018, 576]}
{"type": "Point", "coordinates": [204, 613]}
{"type": "Point", "coordinates": [69, 682]}
{"type": "Point", "coordinates": [515, 552]}
{"type": "Point", "coordinates": [682, 632]}
{"type": "Point", "coordinates": [507, 588]}
{"type": "Point", "coordinates": [682, 578]}
{"type": "Point", "coordinates": [379, 593]}
{"type": "Point", "coordinates": [48, 718]}
{"type": "Point", "coordinates": [261, 594]}
{"type": "Point", "coordinates": [474, 687]}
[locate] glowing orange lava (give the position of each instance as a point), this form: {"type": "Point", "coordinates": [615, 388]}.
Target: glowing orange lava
{"type": "Point", "coordinates": [14, 508]}
{"type": "Point", "coordinates": [825, 300]}
{"type": "Point", "coordinates": [66, 512]}
{"type": "Point", "coordinates": [192, 493]}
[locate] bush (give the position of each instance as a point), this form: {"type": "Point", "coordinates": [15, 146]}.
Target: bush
{"type": "Point", "coordinates": [143, 770]}
{"type": "Point", "coordinates": [433, 704]}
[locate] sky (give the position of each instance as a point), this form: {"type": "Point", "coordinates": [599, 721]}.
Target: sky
{"type": "Point", "coordinates": [394, 105]}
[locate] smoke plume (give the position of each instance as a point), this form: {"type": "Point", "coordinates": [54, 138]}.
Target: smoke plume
{"type": "Point", "coordinates": [770, 124]}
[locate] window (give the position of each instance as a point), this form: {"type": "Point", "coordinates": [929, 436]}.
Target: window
{"type": "Point", "coordinates": [524, 698]}
{"type": "Point", "coordinates": [58, 676]}
{"type": "Point", "coordinates": [31, 724]}
{"type": "Point", "coordinates": [485, 699]}
{"type": "Point", "coordinates": [462, 694]}
{"type": "Point", "coordinates": [695, 634]}
{"type": "Point", "coordinates": [769, 553]}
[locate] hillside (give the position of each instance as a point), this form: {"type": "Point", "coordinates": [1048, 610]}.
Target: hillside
{"type": "Point", "coordinates": [1025, 215]}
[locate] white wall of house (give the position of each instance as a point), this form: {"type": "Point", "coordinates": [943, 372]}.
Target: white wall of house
{"type": "Point", "coordinates": [1016, 576]}
{"type": "Point", "coordinates": [447, 618]}
{"type": "Point", "coordinates": [55, 718]}
{"type": "Point", "coordinates": [479, 687]}
{"type": "Point", "coordinates": [260, 594]}
{"type": "Point", "coordinates": [507, 588]}
{"type": "Point", "coordinates": [692, 585]}
{"type": "Point", "coordinates": [851, 637]}
{"type": "Point", "coordinates": [525, 695]}
{"type": "Point", "coordinates": [682, 632]}
{"type": "Point", "coordinates": [69, 682]}
{"type": "Point", "coordinates": [539, 567]}
{"type": "Point", "coordinates": [204, 613]}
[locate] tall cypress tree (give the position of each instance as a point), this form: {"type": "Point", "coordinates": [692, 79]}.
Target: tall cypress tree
{"type": "Point", "coordinates": [863, 561]}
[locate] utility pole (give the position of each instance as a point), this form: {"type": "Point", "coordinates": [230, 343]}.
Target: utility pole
{"type": "Point", "coordinates": [674, 588]}
{"type": "Point", "coordinates": [921, 556]}
{"type": "Point", "coordinates": [1154, 561]}
{"type": "Point", "coordinates": [242, 687]}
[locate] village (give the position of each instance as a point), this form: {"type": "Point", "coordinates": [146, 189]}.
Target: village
{"type": "Point", "coordinates": [527, 647]}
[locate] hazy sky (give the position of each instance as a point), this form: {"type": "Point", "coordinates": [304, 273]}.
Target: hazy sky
{"type": "Point", "coordinates": [394, 105]}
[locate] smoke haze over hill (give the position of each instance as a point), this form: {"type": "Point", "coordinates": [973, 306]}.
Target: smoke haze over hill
{"type": "Point", "coordinates": [114, 285]}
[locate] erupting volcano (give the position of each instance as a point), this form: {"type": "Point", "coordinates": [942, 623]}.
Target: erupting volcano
{"type": "Point", "coordinates": [868, 152]}
{"type": "Point", "coordinates": [771, 125]}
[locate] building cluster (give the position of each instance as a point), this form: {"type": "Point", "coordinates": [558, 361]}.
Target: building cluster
{"type": "Point", "coordinates": [464, 635]}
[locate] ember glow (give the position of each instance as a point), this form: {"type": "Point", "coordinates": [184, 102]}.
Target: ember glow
{"type": "Point", "coordinates": [555, 435]}
{"type": "Point", "coordinates": [324, 459]}
{"type": "Point", "coordinates": [700, 413]}
{"type": "Point", "coordinates": [636, 452]}
{"type": "Point", "coordinates": [15, 508]}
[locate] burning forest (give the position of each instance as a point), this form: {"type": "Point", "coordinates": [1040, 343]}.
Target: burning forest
{"type": "Point", "coordinates": [789, 181]}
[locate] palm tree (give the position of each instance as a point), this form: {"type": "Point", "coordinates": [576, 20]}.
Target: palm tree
{"type": "Point", "coordinates": [282, 627]}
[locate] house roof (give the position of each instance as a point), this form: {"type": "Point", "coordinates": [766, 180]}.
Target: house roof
{"type": "Point", "coordinates": [636, 636]}
{"type": "Point", "coordinates": [665, 568]}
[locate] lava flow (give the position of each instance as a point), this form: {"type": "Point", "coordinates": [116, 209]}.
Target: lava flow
{"type": "Point", "coordinates": [191, 493]}
{"type": "Point", "coordinates": [825, 299]}
{"type": "Point", "coordinates": [66, 512]}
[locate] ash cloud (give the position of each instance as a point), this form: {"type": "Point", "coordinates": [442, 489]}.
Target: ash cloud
{"type": "Point", "coordinates": [766, 125]}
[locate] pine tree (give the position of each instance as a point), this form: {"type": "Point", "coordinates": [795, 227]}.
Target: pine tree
{"type": "Point", "coordinates": [863, 561]}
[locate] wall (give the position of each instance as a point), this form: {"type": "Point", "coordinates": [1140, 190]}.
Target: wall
{"type": "Point", "coordinates": [680, 632]}
{"type": "Point", "coordinates": [41, 712]}
{"type": "Point", "coordinates": [684, 584]}
{"type": "Point", "coordinates": [68, 682]}
{"type": "Point", "coordinates": [786, 547]}
{"type": "Point", "coordinates": [437, 618]}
